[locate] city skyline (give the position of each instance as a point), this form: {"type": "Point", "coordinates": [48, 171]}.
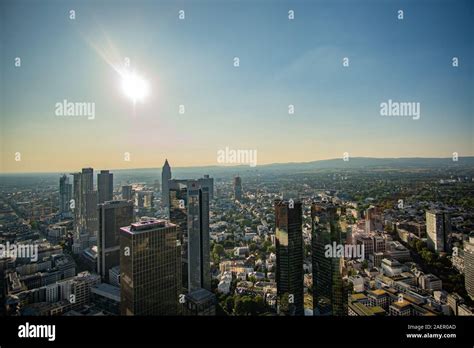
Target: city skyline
{"type": "Point", "coordinates": [277, 244]}
{"type": "Point", "coordinates": [283, 62]}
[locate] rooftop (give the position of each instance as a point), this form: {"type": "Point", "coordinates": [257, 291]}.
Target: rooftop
{"type": "Point", "coordinates": [107, 290]}
{"type": "Point", "coordinates": [356, 297]}
{"type": "Point", "coordinates": [401, 304]}
{"type": "Point", "coordinates": [146, 225]}
{"type": "Point", "coordinates": [379, 292]}
{"type": "Point", "coordinates": [377, 310]}
{"type": "Point", "coordinates": [200, 296]}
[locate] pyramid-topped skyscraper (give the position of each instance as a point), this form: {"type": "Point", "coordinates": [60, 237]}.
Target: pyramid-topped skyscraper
{"type": "Point", "coordinates": [165, 176]}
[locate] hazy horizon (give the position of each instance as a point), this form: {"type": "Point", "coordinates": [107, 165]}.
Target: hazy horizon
{"type": "Point", "coordinates": [238, 166]}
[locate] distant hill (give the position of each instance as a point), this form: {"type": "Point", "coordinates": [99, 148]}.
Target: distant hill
{"type": "Point", "coordinates": [353, 163]}
{"type": "Point", "coordinates": [368, 162]}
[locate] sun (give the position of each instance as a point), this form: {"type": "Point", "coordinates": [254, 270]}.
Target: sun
{"type": "Point", "coordinates": [134, 86]}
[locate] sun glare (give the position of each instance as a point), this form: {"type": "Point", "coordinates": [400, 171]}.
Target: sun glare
{"type": "Point", "coordinates": [134, 86]}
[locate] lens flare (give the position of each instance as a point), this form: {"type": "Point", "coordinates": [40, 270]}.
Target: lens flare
{"type": "Point", "coordinates": [134, 86]}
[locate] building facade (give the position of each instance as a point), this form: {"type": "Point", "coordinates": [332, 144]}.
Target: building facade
{"type": "Point", "coordinates": [289, 257]}
{"type": "Point", "coordinates": [189, 210]}
{"type": "Point", "coordinates": [438, 229]}
{"type": "Point", "coordinates": [150, 267]}
{"type": "Point", "coordinates": [469, 265]}
{"type": "Point", "coordinates": [105, 186]}
{"type": "Point", "coordinates": [112, 216]}
{"type": "Point", "coordinates": [238, 188]}
{"type": "Point", "coordinates": [329, 288]}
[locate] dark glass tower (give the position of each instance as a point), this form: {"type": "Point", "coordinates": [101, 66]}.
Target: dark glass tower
{"type": "Point", "coordinates": [329, 289]}
{"type": "Point", "coordinates": [289, 253]}
{"type": "Point", "coordinates": [238, 188]}
{"type": "Point", "coordinates": [189, 209]}
{"type": "Point", "coordinates": [85, 210]}
{"type": "Point", "coordinates": [150, 269]}
{"type": "Point", "coordinates": [105, 186]}
{"type": "Point", "coordinates": [112, 216]}
{"type": "Point", "coordinates": [65, 195]}
{"type": "Point", "coordinates": [127, 192]}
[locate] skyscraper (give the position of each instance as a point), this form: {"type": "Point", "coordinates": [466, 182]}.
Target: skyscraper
{"type": "Point", "coordinates": [438, 229]}
{"type": "Point", "coordinates": [85, 210]}
{"type": "Point", "coordinates": [469, 265]}
{"type": "Point", "coordinates": [209, 182]}
{"type": "Point", "coordinates": [370, 219]}
{"type": "Point", "coordinates": [329, 289]}
{"type": "Point", "coordinates": [144, 199]}
{"type": "Point", "coordinates": [112, 216]}
{"type": "Point", "coordinates": [150, 267]}
{"type": "Point", "coordinates": [76, 207]}
{"type": "Point", "coordinates": [65, 195]}
{"type": "Point", "coordinates": [91, 215]}
{"type": "Point", "coordinates": [238, 188]}
{"type": "Point", "coordinates": [289, 256]}
{"type": "Point", "coordinates": [165, 177]}
{"type": "Point", "coordinates": [189, 209]}
{"type": "Point", "coordinates": [127, 192]}
{"type": "Point", "coordinates": [87, 179]}
{"type": "Point", "coordinates": [105, 186]}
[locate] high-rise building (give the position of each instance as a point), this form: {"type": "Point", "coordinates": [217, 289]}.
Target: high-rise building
{"type": "Point", "coordinates": [105, 186]}
{"type": "Point", "coordinates": [91, 215]}
{"type": "Point", "coordinates": [150, 267]}
{"type": "Point", "coordinates": [469, 265]}
{"type": "Point", "coordinates": [65, 195]}
{"type": "Point", "coordinates": [438, 229]}
{"type": "Point", "coordinates": [329, 289]}
{"type": "Point", "coordinates": [289, 257]}
{"type": "Point", "coordinates": [367, 243]}
{"type": "Point", "coordinates": [85, 210]}
{"type": "Point", "coordinates": [76, 208]}
{"type": "Point", "coordinates": [189, 209]}
{"type": "Point", "coordinates": [165, 177]}
{"type": "Point", "coordinates": [144, 199]}
{"type": "Point", "coordinates": [112, 216]}
{"type": "Point", "coordinates": [380, 244]}
{"type": "Point", "coordinates": [81, 286]}
{"type": "Point", "coordinates": [370, 219]}
{"type": "Point", "coordinates": [127, 192]}
{"type": "Point", "coordinates": [238, 188]}
{"type": "Point", "coordinates": [209, 182]}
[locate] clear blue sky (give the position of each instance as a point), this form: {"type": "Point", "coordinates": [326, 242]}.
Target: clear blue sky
{"type": "Point", "coordinates": [190, 62]}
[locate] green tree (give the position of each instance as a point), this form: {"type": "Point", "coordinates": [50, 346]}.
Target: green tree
{"type": "Point", "coordinates": [271, 249]}
{"type": "Point", "coordinates": [229, 304]}
{"type": "Point", "coordinates": [34, 225]}
{"type": "Point", "coordinates": [228, 244]}
{"type": "Point", "coordinates": [248, 305]}
{"type": "Point", "coordinates": [266, 244]}
{"type": "Point", "coordinates": [218, 249]}
{"type": "Point", "coordinates": [238, 306]}
{"type": "Point", "coordinates": [283, 304]}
